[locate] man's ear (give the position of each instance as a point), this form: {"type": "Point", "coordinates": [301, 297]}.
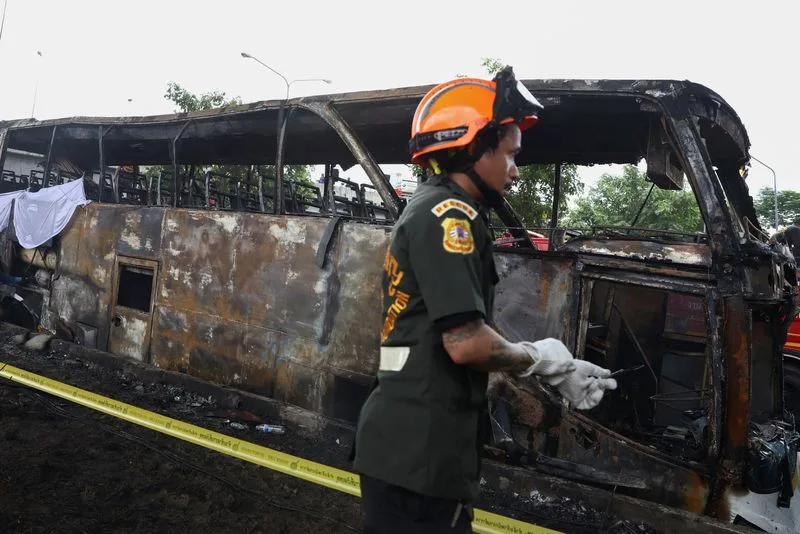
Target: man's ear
{"type": "Point", "coordinates": [477, 149]}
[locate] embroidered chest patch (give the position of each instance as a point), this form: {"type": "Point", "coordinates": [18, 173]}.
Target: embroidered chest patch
{"type": "Point", "coordinates": [454, 204]}
{"type": "Point", "coordinates": [457, 236]}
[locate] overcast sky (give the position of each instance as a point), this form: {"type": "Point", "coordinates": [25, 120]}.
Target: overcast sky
{"type": "Point", "coordinates": [96, 55]}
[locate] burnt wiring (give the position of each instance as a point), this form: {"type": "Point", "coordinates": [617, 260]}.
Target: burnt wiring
{"type": "Point", "coordinates": [58, 410]}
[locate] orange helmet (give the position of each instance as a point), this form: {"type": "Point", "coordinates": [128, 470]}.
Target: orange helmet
{"type": "Point", "coordinates": [451, 114]}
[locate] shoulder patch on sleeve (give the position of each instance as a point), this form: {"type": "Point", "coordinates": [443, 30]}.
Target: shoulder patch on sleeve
{"type": "Point", "coordinates": [457, 236]}
{"type": "Point", "coordinates": [454, 204]}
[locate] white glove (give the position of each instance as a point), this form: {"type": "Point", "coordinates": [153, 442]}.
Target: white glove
{"type": "Point", "coordinates": [552, 360]}
{"type": "Point", "coordinates": [585, 386]}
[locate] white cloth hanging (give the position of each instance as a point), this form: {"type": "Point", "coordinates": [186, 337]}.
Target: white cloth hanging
{"type": "Point", "coordinates": [6, 199]}
{"type": "Point", "coordinates": [41, 215]}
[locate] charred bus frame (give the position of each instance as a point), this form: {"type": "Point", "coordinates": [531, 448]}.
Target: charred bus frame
{"type": "Point", "coordinates": [282, 303]}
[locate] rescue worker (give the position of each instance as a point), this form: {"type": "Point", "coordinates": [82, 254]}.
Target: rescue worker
{"type": "Point", "coordinates": [417, 446]}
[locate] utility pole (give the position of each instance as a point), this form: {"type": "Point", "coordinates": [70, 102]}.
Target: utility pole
{"type": "Point", "coordinates": [3, 20]}
{"type": "Point", "coordinates": [36, 87]}
{"type": "Point", "coordinates": [774, 187]}
{"type": "Point", "coordinates": [285, 80]}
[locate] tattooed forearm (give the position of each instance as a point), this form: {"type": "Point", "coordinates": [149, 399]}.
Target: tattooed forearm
{"type": "Point", "coordinates": [462, 333]}
{"type": "Point", "coordinates": [477, 345]}
{"type": "Point", "coordinates": [503, 357]}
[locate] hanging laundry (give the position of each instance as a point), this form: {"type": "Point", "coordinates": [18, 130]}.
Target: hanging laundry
{"type": "Point", "coordinates": [6, 199]}
{"type": "Point", "coordinates": [41, 215]}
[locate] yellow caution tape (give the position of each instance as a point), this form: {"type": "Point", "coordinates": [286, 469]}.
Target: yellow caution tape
{"type": "Point", "coordinates": [330, 477]}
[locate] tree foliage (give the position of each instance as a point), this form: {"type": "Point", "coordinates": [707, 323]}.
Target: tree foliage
{"type": "Point", "coordinates": [185, 100]}
{"type": "Point", "coordinates": [616, 201]}
{"type": "Point", "coordinates": [532, 195]}
{"type": "Point", "coordinates": [788, 207]}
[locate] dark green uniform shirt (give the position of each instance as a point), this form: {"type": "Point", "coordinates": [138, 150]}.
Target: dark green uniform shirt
{"type": "Point", "coordinates": [419, 427]}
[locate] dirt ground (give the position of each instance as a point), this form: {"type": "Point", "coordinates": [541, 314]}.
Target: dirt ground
{"type": "Point", "coordinates": [66, 468]}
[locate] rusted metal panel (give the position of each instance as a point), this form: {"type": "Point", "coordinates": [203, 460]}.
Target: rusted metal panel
{"type": "Point", "coordinates": [299, 384]}
{"type": "Point", "coordinates": [668, 283]}
{"type": "Point", "coordinates": [239, 298]}
{"type": "Point", "coordinates": [357, 258]}
{"type": "Point", "coordinates": [653, 268]}
{"type": "Point", "coordinates": [684, 254]}
{"type": "Point", "coordinates": [71, 239]}
{"type": "Point", "coordinates": [212, 348]}
{"type": "Point", "coordinates": [77, 298]}
{"type": "Point", "coordinates": [82, 290]}
{"type": "Point", "coordinates": [89, 246]}
{"type": "Point", "coordinates": [736, 341]}
{"type": "Point", "coordinates": [140, 234]}
{"type": "Point", "coordinates": [535, 297]}
{"type": "Point", "coordinates": [242, 302]}
{"type": "Point", "coordinates": [130, 334]}
{"type": "Point", "coordinates": [244, 267]}
{"type": "Point", "coordinates": [668, 482]}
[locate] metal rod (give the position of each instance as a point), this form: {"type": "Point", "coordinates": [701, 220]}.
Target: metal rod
{"type": "Point", "coordinates": [174, 155]}
{"type": "Point", "coordinates": [3, 145]}
{"type": "Point", "coordinates": [48, 158]}
{"type": "Point", "coordinates": [556, 201]}
{"type": "Point", "coordinates": [641, 208]}
{"type": "Point", "coordinates": [115, 185]}
{"type": "Point", "coordinates": [259, 173]}
{"type": "Point", "coordinates": [36, 86]}
{"type": "Point", "coordinates": [207, 183]}
{"type": "Point", "coordinates": [636, 343]}
{"type": "Point", "coordinates": [278, 199]}
{"type": "Point", "coordinates": [327, 190]}
{"type": "Point", "coordinates": [330, 115]}
{"type": "Point", "coordinates": [774, 187]}
{"type": "Point", "coordinates": [249, 182]}
{"type": "Point", "coordinates": [100, 134]}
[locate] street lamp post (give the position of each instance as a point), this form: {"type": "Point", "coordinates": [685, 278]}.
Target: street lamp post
{"type": "Point", "coordinates": [3, 20]}
{"type": "Point", "coordinates": [36, 87]}
{"type": "Point", "coordinates": [285, 80]}
{"type": "Point", "coordinates": [774, 186]}
{"type": "Point", "coordinates": [282, 120]}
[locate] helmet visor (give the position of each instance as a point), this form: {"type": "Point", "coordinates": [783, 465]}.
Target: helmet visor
{"type": "Point", "coordinates": [512, 99]}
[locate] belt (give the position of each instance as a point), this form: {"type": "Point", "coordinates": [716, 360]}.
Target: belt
{"type": "Point", "coordinates": [393, 358]}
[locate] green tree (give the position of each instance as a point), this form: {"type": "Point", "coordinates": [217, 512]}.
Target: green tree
{"type": "Point", "coordinates": [187, 101]}
{"type": "Point", "coordinates": [616, 201]}
{"type": "Point", "coordinates": [788, 207]}
{"type": "Point", "coordinates": [532, 195]}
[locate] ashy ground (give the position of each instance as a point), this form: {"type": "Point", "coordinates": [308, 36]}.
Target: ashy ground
{"type": "Point", "coordinates": [66, 468]}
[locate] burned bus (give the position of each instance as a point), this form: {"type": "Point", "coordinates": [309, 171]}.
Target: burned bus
{"type": "Point", "coordinates": [201, 254]}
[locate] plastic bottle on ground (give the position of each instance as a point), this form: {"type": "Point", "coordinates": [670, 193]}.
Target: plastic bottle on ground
{"type": "Point", "coordinates": [272, 429]}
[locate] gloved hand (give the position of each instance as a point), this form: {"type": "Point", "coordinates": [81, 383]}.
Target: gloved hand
{"type": "Point", "coordinates": [552, 360]}
{"type": "Point", "coordinates": [585, 386]}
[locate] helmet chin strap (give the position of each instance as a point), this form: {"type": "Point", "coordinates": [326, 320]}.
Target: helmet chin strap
{"type": "Point", "coordinates": [491, 198]}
